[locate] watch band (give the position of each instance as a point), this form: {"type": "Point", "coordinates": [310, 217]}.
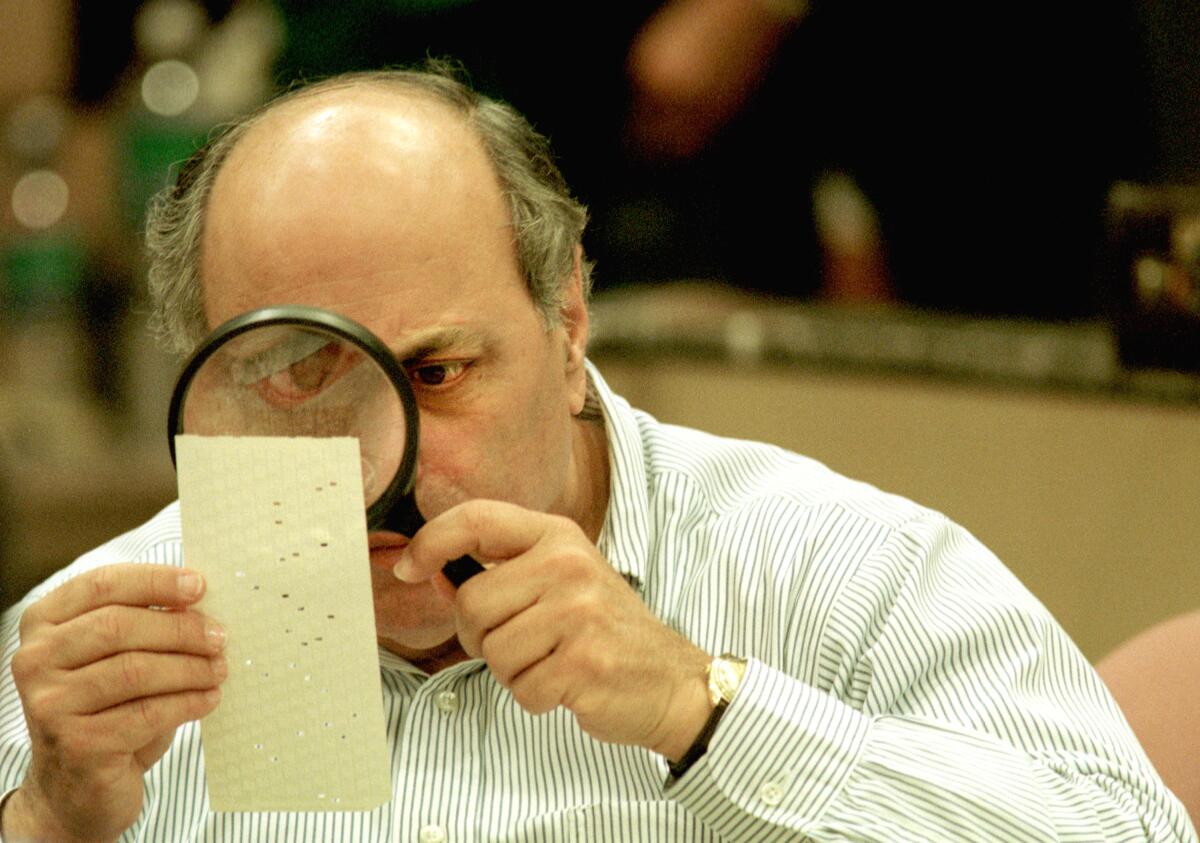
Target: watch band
{"type": "Point", "coordinates": [699, 746]}
{"type": "Point", "coordinates": [724, 676]}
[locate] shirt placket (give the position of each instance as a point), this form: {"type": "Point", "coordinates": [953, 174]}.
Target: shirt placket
{"type": "Point", "coordinates": [436, 779]}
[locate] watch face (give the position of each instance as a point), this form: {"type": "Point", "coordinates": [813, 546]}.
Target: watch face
{"type": "Point", "coordinates": [726, 676]}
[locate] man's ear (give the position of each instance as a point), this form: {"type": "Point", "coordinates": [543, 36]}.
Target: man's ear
{"type": "Point", "coordinates": [574, 315]}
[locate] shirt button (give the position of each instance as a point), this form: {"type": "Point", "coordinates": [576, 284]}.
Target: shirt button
{"type": "Point", "coordinates": [432, 834]}
{"type": "Point", "coordinates": [446, 702]}
{"type": "Point", "coordinates": [771, 793]}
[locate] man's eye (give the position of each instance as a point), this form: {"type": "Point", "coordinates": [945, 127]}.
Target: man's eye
{"type": "Point", "coordinates": [437, 374]}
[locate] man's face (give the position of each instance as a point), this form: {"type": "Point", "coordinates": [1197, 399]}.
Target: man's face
{"type": "Point", "coordinates": [384, 208]}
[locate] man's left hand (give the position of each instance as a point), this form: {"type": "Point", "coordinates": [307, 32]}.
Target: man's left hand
{"type": "Point", "coordinates": [557, 625]}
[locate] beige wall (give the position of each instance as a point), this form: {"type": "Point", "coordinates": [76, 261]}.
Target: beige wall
{"type": "Point", "coordinates": [1094, 502]}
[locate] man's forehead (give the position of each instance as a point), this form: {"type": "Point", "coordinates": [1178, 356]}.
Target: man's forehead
{"type": "Point", "coordinates": [348, 194]}
{"type": "Point", "coordinates": [393, 111]}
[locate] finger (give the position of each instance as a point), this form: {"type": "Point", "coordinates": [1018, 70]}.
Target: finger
{"type": "Point", "coordinates": [138, 723]}
{"type": "Point", "coordinates": [541, 688]}
{"type": "Point", "coordinates": [519, 644]}
{"type": "Point", "coordinates": [126, 584]}
{"type": "Point", "coordinates": [110, 630]}
{"type": "Point", "coordinates": [130, 676]}
{"type": "Point", "coordinates": [488, 530]}
{"type": "Point", "coordinates": [498, 595]}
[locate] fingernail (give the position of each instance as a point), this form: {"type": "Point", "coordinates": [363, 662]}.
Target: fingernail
{"type": "Point", "coordinates": [190, 585]}
{"type": "Point", "coordinates": [403, 568]}
{"type": "Point", "coordinates": [215, 634]}
{"type": "Point", "coordinates": [220, 667]}
{"type": "Point", "coordinates": [212, 695]}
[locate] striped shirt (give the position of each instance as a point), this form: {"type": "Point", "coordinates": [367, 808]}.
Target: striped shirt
{"type": "Point", "coordinates": [902, 685]}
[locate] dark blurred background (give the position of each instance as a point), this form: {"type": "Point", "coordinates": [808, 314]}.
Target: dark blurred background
{"type": "Point", "coordinates": [991, 162]}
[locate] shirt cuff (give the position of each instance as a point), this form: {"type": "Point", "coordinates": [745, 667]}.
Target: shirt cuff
{"type": "Point", "coordinates": [782, 752]}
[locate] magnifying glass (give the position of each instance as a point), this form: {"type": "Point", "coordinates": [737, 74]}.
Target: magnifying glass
{"type": "Point", "coordinates": [304, 371]}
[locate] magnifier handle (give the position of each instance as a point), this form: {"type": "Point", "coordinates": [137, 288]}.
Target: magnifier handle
{"type": "Point", "coordinates": [459, 570]}
{"type": "Point", "coordinates": [404, 518]}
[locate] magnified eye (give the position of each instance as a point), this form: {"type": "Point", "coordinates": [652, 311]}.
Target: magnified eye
{"type": "Point", "coordinates": [307, 377]}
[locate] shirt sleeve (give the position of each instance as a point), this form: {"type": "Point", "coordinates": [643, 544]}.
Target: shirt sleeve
{"type": "Point", "coordinates": [950, 707]}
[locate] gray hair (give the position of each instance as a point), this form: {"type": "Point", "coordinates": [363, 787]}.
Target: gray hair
{"type": "Point", "coordinates": [547, 221]}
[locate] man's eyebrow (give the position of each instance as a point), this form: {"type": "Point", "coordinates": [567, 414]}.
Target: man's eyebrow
{"type": "Point", "coordinates": [430, 341]}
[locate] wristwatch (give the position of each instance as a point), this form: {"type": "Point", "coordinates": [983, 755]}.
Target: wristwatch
{"type": "Point", "coordinates": [724, 677]}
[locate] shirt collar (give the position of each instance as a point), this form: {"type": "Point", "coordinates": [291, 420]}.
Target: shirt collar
{"type": "Point", "coordinates": [625, 535]}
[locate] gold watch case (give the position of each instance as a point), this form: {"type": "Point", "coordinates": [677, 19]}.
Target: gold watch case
{"type": "Point", "coordinates": [724, 677]}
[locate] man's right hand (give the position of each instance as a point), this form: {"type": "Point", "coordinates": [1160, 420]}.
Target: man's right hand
{"type": "Point", "coordinates": [111, 663]}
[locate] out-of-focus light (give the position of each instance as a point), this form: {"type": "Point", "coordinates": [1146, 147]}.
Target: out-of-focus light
{"type": "Point", "coordinates": [35, 127]}
{"type": "Point", "coordinates": [40, 198]}
{"type": "Point", "coordinates": [170, 87]}
{"type": "Point", "coordinates": [166, 28]}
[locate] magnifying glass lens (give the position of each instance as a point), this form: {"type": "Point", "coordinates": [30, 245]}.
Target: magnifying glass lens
{"type": "Point", "coordinates": [300, 380]}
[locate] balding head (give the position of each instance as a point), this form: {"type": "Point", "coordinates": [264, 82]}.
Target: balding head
{"type": "Point", "coordinates": [546, 222]}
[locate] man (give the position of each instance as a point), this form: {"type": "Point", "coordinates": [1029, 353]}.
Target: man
{"type": "Point", "coordinates": [885, 678]}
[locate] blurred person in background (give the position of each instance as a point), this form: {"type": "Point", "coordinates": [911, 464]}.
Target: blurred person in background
{"type": "Point", "coordinates": [939, 155]}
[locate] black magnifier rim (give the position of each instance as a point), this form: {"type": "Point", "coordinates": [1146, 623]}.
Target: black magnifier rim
{"type": "Point", "coordinates": [334, 323]}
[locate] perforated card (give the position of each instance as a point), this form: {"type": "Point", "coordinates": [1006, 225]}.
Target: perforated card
{"type": "Point", "coordinates": [278, 529]}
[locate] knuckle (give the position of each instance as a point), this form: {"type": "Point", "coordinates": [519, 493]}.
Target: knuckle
{"type": "Point", "coordinates": [493, 654]}
{"type": "Point", "coordinates": [533, 699]}
{"type": "Point", "coordinates": [186, 628]}
{"type": "Point", "coordinates": [109, 627]}
{"type": "Point", "coordinates": [148, 714]}
{"type": "Point", "coordinates": [42, 706]}
{"type": "Point", "coordinates": [130, 670]}
{"type": "Point", "coordinates": [30, 619]}
{"type": "Point", "coordinates": [25, 664]}
{"type": "Point", "coordinates": [101, 584]}
{"type": "Point", "coordinates": [468, 597]}
{"type": "Point", "coordinates": [474, 514]}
